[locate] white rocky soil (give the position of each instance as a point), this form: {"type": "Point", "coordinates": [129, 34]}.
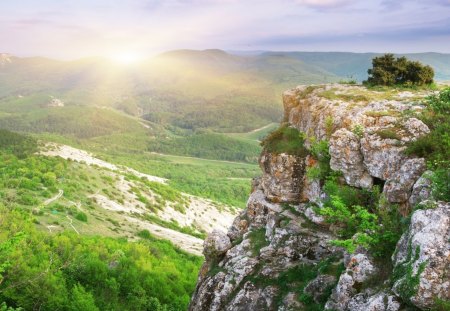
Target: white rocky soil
{"type": "Point", "coordinates": [201, 214]}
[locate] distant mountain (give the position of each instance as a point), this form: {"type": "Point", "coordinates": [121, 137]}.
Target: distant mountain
{"type": "Point", "coordinates": [187, 89]}
{"type": "Point", "coordinates": [355, 65]}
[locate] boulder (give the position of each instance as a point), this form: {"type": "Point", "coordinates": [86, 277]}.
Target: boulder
{"type": "Point", "coordinates": [283, 176]}
{"type": "Point", "coordinates": [377, 302]}
{"type": "Point", "coordinates": [421, 190]}
{"type": "Point", "coordinates": [360, 269]}
{"type": "Point", "coordinates": [422, 258]}
{"type": "Point", "coordinates": [319, 287]}
{"type": "Point", "coordinates": [398, 187]}
{"type": "Point", "coordinates": [216, 245]}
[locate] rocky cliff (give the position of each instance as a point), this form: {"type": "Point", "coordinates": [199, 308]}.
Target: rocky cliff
{"type": "Point", "coordinates": [340, 220]}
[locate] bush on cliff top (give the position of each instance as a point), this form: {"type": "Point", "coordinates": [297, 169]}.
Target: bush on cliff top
{"type": "Point", "coordinates": [285, 140]}
{"type": "Point", "coordinates": [388, 71]}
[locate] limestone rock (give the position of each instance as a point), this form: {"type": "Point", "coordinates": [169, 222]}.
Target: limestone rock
{"type": "Point", "coordinates": [422, 258]}
{"type": "Point", "coordinates": [318, 287]}
{"type": "Point", "coordinates": [382, 157]}
{"type": "Point", "coordinates": [378, 302]}
{"type": "Point", "coordinates": [283, 176]}
{"type": "Point", "coordinates": [216, 244]}
{"type": "Point", "coordinates": [421, 190]}
{"type": "Point", "coordinates": [360, 269]}
{"type": "Point", "coordinates": [347, 158]}
{"type": "Point", "coordinates": [397, 189]}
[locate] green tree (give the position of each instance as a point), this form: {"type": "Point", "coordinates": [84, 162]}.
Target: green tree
{"type": "Point", "coordinates": [82, 300]}
{"type": "Point", "coordinates": [388, 70]}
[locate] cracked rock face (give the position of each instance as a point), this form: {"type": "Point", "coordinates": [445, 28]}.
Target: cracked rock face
{"type": "Point", "coordinates": [283, 176]}
{"type": "Point", "coordinates": [274, 254]}
{"type": "Point", "coordinates": [398, 188]}
{"type": "Point", "coordinates": [274, 241]}
{"type": "Point", "coordinates": [360, 269]}
{"type": "Point", "coordinates": [346, 157]}
{"type": "Point", "coordinates": [422, 258]}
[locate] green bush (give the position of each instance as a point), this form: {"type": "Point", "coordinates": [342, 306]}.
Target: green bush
{"type": "Point", "coordinates": [81, 217]}
{"type": "Point", "coordinates": [285, 139]}
{"type": "Point", "coordinates": [435, 147]}
{"type": "Point", "coordinates": [388, 70]}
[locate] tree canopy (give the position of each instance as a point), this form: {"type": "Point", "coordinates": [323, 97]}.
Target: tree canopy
{"type": "Point", "coordinates": [388, 70]}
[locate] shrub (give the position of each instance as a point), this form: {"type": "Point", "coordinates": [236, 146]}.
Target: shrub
{"type": "Point", "coordinates": [388, 70]}
{"type": "Point", "coordinates": [435, 147]}
{"type": "Point", "coordinates": [285, 140]}
{"type": "Point", "coordinates": [358, 130]}
{"type": "Point", "coordinates": [81, 217]}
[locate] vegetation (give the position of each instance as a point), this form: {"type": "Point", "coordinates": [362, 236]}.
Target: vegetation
{"type": "Point", "coordinates": [64, 270]}
{"type": "Point", "coordinates": [17, 144]}
{"type": "Point", "coordinates": [68, 272]}
{"type": "Point", "coordinates": [435, 147]}
{"type": "Point", "coordinates": [285, 139]}
{"type": "Point", "coordinates": [364, 217]}
{"type": "Point", "coordinates": [296, 278]}
{"type": "Point", "coordinates": [387, 70]}
{"type": "Point", "coordinates": [208, 146]}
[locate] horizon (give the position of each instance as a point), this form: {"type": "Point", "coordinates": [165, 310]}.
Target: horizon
{"type": "Point", "coordinates": [67, 30]}
{"type": "Point", "coordinates": [230, 52]}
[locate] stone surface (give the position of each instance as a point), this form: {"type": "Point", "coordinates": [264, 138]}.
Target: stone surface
{"type": "Point", "coordinates": [422, 258]}
{"type": "Point", "coordinates": [318, 288]}
{"type": "Point", "coordinates": [216, 244]}
{"type": "Point", "coordinates": [346, 157]}
{"type": "Point", "coordinates": [397, 189]}
{"type": "Point", "coordinates": [360, 269]}
{"type": "Point", "coordinates": [283, 176]}
{"type": "Point", "coordinates": [279, 233]}
{"type": "Point", "coordinates": [421, 190]}
{"type": "Point", "coordinates": [378, 302]}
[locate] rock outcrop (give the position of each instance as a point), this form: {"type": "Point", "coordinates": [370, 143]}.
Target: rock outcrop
{"type": "Point", "coordinates": [279, 255]}
{"type": "Point", "coordinates": [422, 258]}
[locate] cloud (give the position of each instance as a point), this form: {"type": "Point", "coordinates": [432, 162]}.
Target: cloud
{"type": "Point", "coordinates": [325, 3]}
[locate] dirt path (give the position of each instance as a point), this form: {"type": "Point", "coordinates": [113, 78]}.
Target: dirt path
{"type": "Point", "coordinates": [56, 197]}
{"type": "Point", "coordinates": [71, 224]}
{"type": "Point", "coordinates": [261, 128]}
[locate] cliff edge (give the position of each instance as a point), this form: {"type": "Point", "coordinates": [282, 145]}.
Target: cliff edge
{"type": "Point", "coordinates": [341, 218]}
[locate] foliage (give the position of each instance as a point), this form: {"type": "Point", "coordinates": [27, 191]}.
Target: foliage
{"type": "Point", "coordinates": [358, 130]}
{"type": "Point", "coordinates": [320, 151]}
{"type": "Point", "coordinates": [257, 240]}
{"type": "Point", "coordinates": [71, 272]}
{"type": "Point", "coordinates": [208, 146]}
{"type": "Point", "coordinates": [364, 218]}
{"type": "Point", "coordinates": [388, 70]}
{"type": "Point", "coordinates": [285, 139]}
{"type": "Point", "coordinates": [19, 145]}
{"type": "Point", "coordinates": [435, 147]}
{"type": "Point", "coordinates": [81, 217]}
{"type": "Point", "coordinates": [409, 281]}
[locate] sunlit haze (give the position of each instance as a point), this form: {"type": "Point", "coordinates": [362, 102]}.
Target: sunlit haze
{"type": "Point", "coordinates": [72, 29]}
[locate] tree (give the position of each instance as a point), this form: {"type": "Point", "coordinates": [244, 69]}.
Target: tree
{"type": "Point", "coordinates": [388, 70]}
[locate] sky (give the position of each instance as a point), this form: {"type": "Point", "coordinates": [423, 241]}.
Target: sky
{"type": "Point", "coordinates": [69, 29]}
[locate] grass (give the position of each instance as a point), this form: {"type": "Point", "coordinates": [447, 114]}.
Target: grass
{"type": "Point", "coordinates": [388, 134]}
{"type": "Point", "coordinates": [257, 240]}
{"type": "Point", "coordinates": [285, 140]}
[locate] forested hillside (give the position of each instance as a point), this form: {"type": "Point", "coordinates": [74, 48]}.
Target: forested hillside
{"type": "Point", "coordinates": [49, 264]}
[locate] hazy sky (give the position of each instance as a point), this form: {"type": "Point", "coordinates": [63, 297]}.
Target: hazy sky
{"type": "Point", "coordinates": [77, 28]}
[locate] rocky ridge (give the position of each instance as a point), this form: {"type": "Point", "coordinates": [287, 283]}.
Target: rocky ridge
{"type": "Point", "coordinates": [279, 254]}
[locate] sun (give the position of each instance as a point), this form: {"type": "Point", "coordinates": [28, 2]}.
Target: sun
{"type": "Point", "coordinates": [126, 57]}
